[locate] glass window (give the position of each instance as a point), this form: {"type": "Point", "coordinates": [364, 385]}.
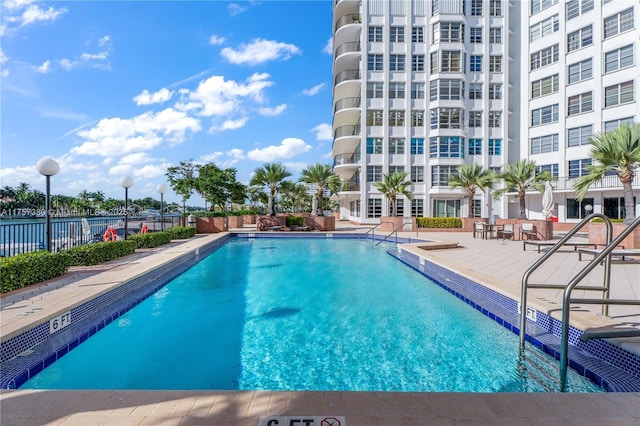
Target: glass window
{"type": "Point", "coordinates": [475, 118]}
{"type": "Point", "coordinates": [448, 32]}
{"type": "Point", "coordinates": [417, 207]}
{"type": "Point", "coordinates": [475, 90]}
{"type": "Point", "coordinates": [618, 59]}
{"type": "Point", "coordinates": [580, 38]}
{"type": "Point", "coordinates": [374, 207]}
{"type": "Point", "coordinates": [578, 168]}
{"type": "Point", "coordinates": [581, 71]}
{"type": "Point", "coordinates": [396, 62]}
{"type": "Point", "coordinates": [446, 208]}
{"type": "Point", "coordinates": [552, 169]}
{"type": "Point", "coordinates": [495, 146]}
{"type": "Point", "coordinates": [396, 145]}
{"type": "Point", "coordinates": [475, 63]}
{"type": "Point", "coordinates": [396, 91]}
{"type": "Point", "coordinates": [618, 94]}
{"type": "Point", "coordinates": [394, 169]}
{"type": "Point", "coordinates": [579, 135]}
{"type": "Point", "coordinates": [374, 117]}
{"type": "Point", "coordinates": [544, 57]}
{"type": "Point", "coordinates": [374, 173]}
{"type": "Point", "coordinates": [446, 147]}
{"type": "Point", "coordinates": [495, 118]}
{"type": "Point", "coordinates": [374, 145]}
{"type": "Point", "coordinates": [614, 124]}
{"type": "Point", "coordinates": [417, 174]}
{"type": "Point", "coordinates": [396, 34]}
{"type": "Point", "coordinates": [417, 90]}
{"type": "Point", "coordinates": [618, 23]}
{"type": "Point", "coordinates": [613, 207]}
{"type": "Point", "coordinates": [545, 86]}
{"type": "Point", "coordinates": [495, 35]}
{"type": "Point", "coordinates": [475, 146]}
{"type": "Point", "coordinates": [440, 175]}
{"type": "Point", "coordinates": [540, 5]}
{"type": "Point", "coordinates": [495, 7]}
{"type": "Point", "coordinates": [375, 90]}
{"type": "Point", "coordinates": [495, 91]}
{"type": "Point", "coordinates": [475, 35]}
{"type": "Point", "coordinates": [446, 118]}
{"type": "Point", "coordinates": [544, 115]}
{"type": "Point", "coordinates": [417, 62]}
{"type": "Point", "coordinates": [495, 63]}
{"type": "Point", "coordinates": [375, 34]}
{"type": "Point", "coordinates": [580, 103]}
{"type": "Point", "coordinates": [435, 7]}
{"type": "Point", "coordinates": [476, 7]}
{"type": "Point", "coordinates": [448, 89]}
{"type": "Point", "coordinates": [575, 208]}
{"type": "Point", "coordinates": [544, 28]}
{"type": "Point", "coordinates": [396, 118]}
{"type": "Point", "coordinates": [476, 208]}
{"type": "Point", "coordinates": [542, 144]}
{"type": "Point", "coordinates": [577, 7]}
{"type": "Point", "coordinates": [450, 61]}
{"type": "Point", "coordinates": [417, 118]}
{"type": "Point", "coordinates": [417, 146]}
{"type": "Point", "coordinates": [374, 62]}
{"type": "Point", "coordinates": [417, 34]}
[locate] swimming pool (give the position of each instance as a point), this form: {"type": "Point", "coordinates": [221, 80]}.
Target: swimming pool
{"type": "Point", "coordinates": [301, 314]}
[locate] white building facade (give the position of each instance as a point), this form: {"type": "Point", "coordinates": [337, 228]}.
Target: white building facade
{"type": "Point", "coordinates": [424, 86]}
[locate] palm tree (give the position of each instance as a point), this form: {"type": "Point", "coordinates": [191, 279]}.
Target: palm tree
{"type": "Point", "coordinates": [97, 198]}
{"type": "Point", "coordinates": [615, 151]}
{"type": "Point", "coordinates": [393, 184]}
{"type": "Point", "coordinates": [322, 177]}
{"type": "Point", "coordinates": [295, 193]}
{"type": "Point", "coordinates": [521, 177]}
{"type": "Point", "coordinates": [270, 175]}
{"type": "Point", "coordinates": [471, 177]}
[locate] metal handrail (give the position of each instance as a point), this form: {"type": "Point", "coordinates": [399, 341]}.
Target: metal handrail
{"type": "Point", "coordinates": [373, 229]}
{"type": "Point", "coordinates": [394, 231]}
{"type": "Point", "coordinates": [547, 255]}
{"type": "Point", "coordinates": [604, 255]}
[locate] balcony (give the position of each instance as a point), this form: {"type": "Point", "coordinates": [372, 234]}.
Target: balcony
{"type": "Point", "coordinates": [348, 75]}
{"type": "Point", "coordinates": [342, 159]}
{"type": "Point", "coordinates": [346, 103]}
{"type": "Point", "coordinates": [612, 182]}
{"type": "Point", "coordinates": [350, 130]}
{"type": "Point", "coordinates": [349, 47]}
{"type": "Point", "coordinates": [352, 18]}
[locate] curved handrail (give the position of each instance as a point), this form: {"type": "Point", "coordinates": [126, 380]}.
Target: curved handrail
{"type": "Point", "coordinates": [373, 229]}
{"type": "Point", "coordinates": [547, 255]}
{"type": "Point", "coordinates": [605, 255]}
{"type": "Point", "coordinates": [389, 234]}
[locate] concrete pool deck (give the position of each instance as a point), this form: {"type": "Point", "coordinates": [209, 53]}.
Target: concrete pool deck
{"type": "Point", "coordinates": [494, 263]}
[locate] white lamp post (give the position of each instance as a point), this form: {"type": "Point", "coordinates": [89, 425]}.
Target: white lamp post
{"type": "Point", "coordinates": [161, 188]}
{"type": "Point", "coordinates": [48, 167]}
{"type": "Point", "coordinates": [126, 183]}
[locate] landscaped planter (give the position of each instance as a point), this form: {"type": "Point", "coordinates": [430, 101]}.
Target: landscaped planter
{"type": "Point", "coordinates": [598, 234]}
{"type": "Point", "coordinates": [211, 225]}
{"type": "Point", "coordinates": [235, 221]}
{"type": "Point", "coordinates": [399, 223]}
{"type": "Point", "coordinates": [249, 219]}
{"type": "Point", "coordinates": [320, 223]}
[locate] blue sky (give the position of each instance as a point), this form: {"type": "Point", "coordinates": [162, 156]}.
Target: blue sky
{"type": "Point", "coordinates": [129, 88]}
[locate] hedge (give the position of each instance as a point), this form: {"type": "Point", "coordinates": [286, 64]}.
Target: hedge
{"type": "Point", "coordinates": [439, 222]}
{"type": "Point", "coordinates": [181, 232]}
{"type": "Point", "coordinates": [25, 269]}
{"type": "Point", "coordinates": [96, 253]}
{"type": "Point", "coordinates": [151, 240]}
{"type": "Point", "coordinates": [295, 221]}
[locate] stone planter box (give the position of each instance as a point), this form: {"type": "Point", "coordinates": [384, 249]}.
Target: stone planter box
{"type": "Point", "coordinates": [235, 221]}
{"type": "Point", "coordinates": [211, 225]}
{"type": "Point", "coordinates": [598, 234]}
{"type": "Point", "coordinates": [320, 223]}
{"type": "Point", "coordinates": [391, 223]}
{"type": "Point", "coordinates": [249, 219]}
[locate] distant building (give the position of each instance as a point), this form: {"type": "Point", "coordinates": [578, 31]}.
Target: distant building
{"type": "Point", "coordinates": [424, 86]}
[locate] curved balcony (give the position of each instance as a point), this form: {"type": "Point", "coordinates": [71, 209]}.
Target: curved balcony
{"type": "Point", "coordinates": [346, 139]}
{"type": "Point", "coordinates": [350, 130]}
{"type": "Point", "coordinates": [346, 103]}
{"type": "Point", "coordinates": [345, 165]}
{"type": "Point", "coordinates": [348, 75]}
{"type": "Point", "coordinates": [349, 19]}
{"type": "Point", "coordinates": [349, 47]}
{"type": "Point", "coordinates": [343, 159]}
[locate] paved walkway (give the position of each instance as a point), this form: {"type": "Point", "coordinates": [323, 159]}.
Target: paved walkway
{"type": "Point", "coordinates": [495, 263]}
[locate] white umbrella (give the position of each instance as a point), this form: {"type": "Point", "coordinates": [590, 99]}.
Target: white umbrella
{"type": "Point", "coordinates": [547, 200]}
{"type": "Point", "coordinates": [314, 206]}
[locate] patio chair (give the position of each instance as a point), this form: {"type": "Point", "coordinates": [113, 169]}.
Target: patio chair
{"type": "Point", "coordinates": [507, 231]}
{"type": "Point", "coordinates": [478, 228]}
{"type": "Point", "coordinates": [527, 229]}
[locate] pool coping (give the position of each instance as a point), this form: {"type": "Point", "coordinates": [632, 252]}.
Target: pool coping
{"type": "Point", "coordinates": [30, 364]}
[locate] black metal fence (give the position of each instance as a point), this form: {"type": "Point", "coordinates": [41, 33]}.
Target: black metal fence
{"type": "Point", "coordinates": [24, 236]}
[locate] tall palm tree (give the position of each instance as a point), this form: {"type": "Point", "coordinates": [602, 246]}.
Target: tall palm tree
{"type": "Point", "coordinates": [615, 151]}
{"type": "Point", "coordinates": [471, 177]}
{"type": "Point", "coordinates": [296, 193]}
{"type": "Point", "coordinates": [322, 177]}
{"type": "Point", "coordinates": [97, 198]}
{"type": "Point", "coordinates": [521, 177]}
{"type": "Point", "coordinates": [392, 185]}
{"type": "Point", "coordinates": [270, 175]}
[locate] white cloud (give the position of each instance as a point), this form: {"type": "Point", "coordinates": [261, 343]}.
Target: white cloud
{"type": "Point", "coordinates": [146, 98]}
{"type": "Point", "coordinates": [235, 9]}
{"type": "Point", "coordinates": [314, 90]}
{"type": "Point", "coordinates": [216, 40]}
{"type": "Point", "coordinates": [272, 112]}
{"type": "Point", "coordinates": [295, 166]}
{"type": "Point", "coordinates": [34, 14]}
{"type": "Point", "coordinates": [134, 159]}
{"type": "Point", "coordinates": [328, 48]}
{"type": "Point", "coordinates": [236, 153]}
{"type": "Point", "coordinates": [104, 41]}
{"type": "Point", "coordinates": [323, 132]}
{"type": "Point", "coordinates": [66, 64]}
{"type": "Point", "coordinates": [5, 73]}
{"type": "Point", "coordinates": [259, 51]}
{"type": "Point", "coordinates": [212, 157]}
{"type": "Point", "coordinates": [121, 170]}
{"type": "Point", "coordinates": [289, 147]}
{"type": "Point", "coordinates": [231, 124]}
{"type": "Point", "coordinates": [16, 4]}
{"type": "Point", "coordinates": [3, 58]}
{"type": "Point", "coordinates": [150, 171]}
{"type": "Point", "coordinates": [100, 56]}
{"type": "Point", "coordinates": [116, 136]}
{"type": "Point", "coordinates": [44, 68]}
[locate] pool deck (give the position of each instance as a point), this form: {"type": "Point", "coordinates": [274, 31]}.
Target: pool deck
{"type": "Point", "coordinates": [494, 263]}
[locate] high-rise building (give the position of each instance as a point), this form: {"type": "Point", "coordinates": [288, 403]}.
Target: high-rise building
{"type": "Point", "coordinates": [423, 86]}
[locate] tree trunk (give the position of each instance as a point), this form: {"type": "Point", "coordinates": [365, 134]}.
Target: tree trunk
{"type": "Point", "coordinates": [523, 214]}
{"type": "Point", "coordinates": [470, 198]}
{"type": "Point", "coordinates": [272, 205]}
{"type": "Point", "coordinates": [393, 206]}
{"type": "Point", "coordinates": [629, 208]}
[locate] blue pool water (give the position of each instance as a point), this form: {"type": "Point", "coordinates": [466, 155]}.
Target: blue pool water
{"type": "Point", "coordinates": [300, 314]}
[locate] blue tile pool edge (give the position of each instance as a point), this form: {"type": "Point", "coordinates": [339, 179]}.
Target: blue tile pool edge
{"type": "Point", "coordinates": [607, 365]}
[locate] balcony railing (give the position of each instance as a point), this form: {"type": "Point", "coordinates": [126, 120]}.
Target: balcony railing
{"type": "Point", "coordinates": [342, 159]}
{"type": "Point", "coordinates": [349, 130]}
{"type": "Point", "coordinates": [352, 46]}
{"type": "Point", "coordinates": [347, 75]}
{"type": "Point", "coordinates": [353, 18]}
{"type": "Point", "coordinates": [351, 185]}
{"type": "Point", "coordinates": [565, 183]}
{"type": "Point", "coordinates": [347, 103]}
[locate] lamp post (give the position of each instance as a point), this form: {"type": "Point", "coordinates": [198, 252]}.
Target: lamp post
{"type": "Point", "coordinates": [48, 167]}
{"type": "Point", "coordinates": [126, 183]}
{"type": "Point", "coordinates": [161, 188]}
{"type": "Point", "coordinates": [588, 209]}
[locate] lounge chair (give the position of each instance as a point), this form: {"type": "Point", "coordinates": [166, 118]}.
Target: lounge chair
{"type": "Point", "coordinates": [507, 231]}
{"type": "Point", "coordinates": [478, 229]}
{"type": "Point", "coordinates": [527, 229]}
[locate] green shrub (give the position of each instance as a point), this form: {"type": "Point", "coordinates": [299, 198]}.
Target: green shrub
{"type": "Point", "coordinates": [151, 240]}
{"type": "Point", "coordinates": [244, 212]}
{"type": "Point", "coordinates": [96, 253]}
{"type": "Point", "coordinates": [181, 232]}
{"type": "Point", "coordinates": [25, 269]}
{"type": "Point", "coordinates": [439, 222]}
{"type": "Point", "coordinates": [295, 221]}
{"type": "Point", "coordinates": [598, 220]}
{"type": "Point", "coordinates": [209, 213]}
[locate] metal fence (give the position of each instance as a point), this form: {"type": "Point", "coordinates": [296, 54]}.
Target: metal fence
{"type": "Point", "coordinates": [24, 236]}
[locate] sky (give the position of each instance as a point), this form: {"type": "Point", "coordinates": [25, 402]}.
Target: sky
{"type": "Point", "coordinates": [129, 88]}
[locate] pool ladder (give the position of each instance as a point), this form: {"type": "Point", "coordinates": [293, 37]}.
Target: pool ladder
{"type": "Point", "coordinates": [605, 301]}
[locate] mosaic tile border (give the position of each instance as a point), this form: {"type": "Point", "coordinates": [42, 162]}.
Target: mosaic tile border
{"type": "Point", "coordinates": [609, 366]}
{"type": "Point", "coordinates": [38, 349]}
